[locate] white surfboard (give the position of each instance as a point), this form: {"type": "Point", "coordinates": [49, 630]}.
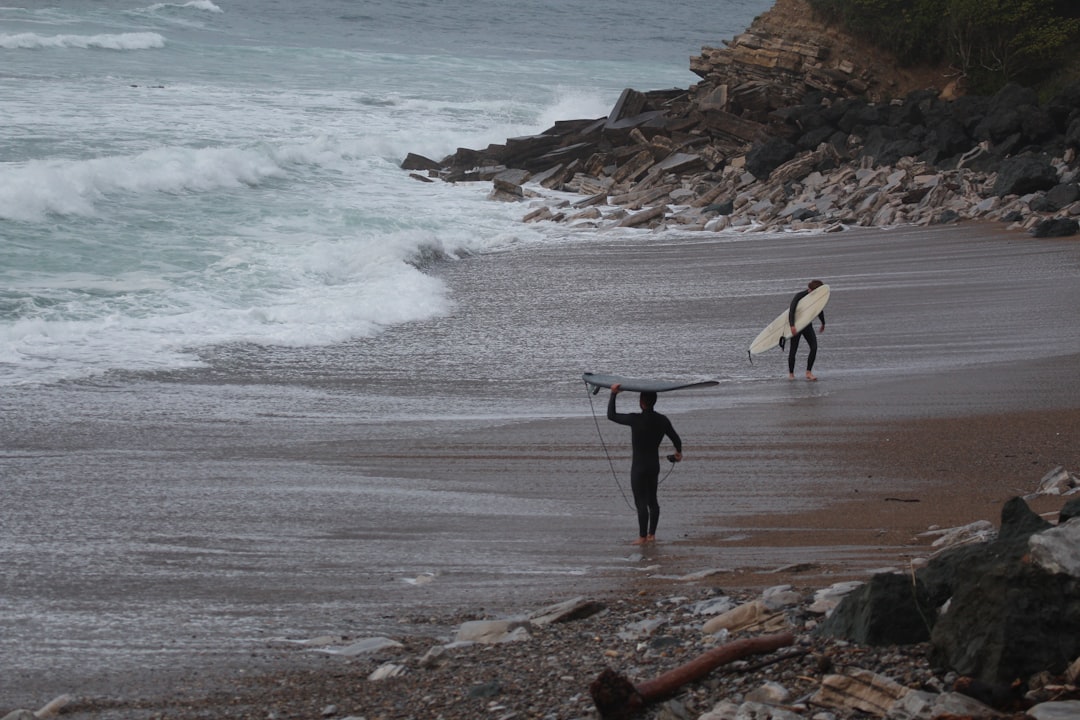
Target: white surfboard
{"type": "Point", "coordinates": [808, 309]}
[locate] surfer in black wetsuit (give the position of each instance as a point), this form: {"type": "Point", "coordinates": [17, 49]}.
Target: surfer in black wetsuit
{"type": "Point", "coordinates": [647, 430]}
{"type": "Point", "coordinates": [807, 332]}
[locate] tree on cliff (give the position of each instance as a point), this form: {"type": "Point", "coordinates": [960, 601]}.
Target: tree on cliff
{"type": "Point", "coordinates": [989, 42]}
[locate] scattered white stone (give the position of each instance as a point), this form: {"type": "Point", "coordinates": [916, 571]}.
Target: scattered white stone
{"type": "Point", "coordinates": [387, 670]}
{"type": "Point", "coordinates": [20, 715]}
{"type": "Point", "coordinates": [434, 657]}
{"type": "Point", "coordinates": [701, 574]}
{"type": "Point", "coordinates": [53, 707]}
{"type": "Point", "coordinates": [361, 647]}
{"type": "Point", "coordinates": [712, 606]}
{"type": "Point", "coordinates": [421, 579]}
{"type": "Point", "coordinates": [780, 596]}
{"type": "Point", "coordinates": [642, 628]}
{"type": "Point", "coordinates": [1057, 550]}
{"type": "Point", "coordinates": [826, 599]}
{"type": "Point", "coordinates": [310, 642]}
{"type": "Point", "coordinates": [753, 614]}
{"type": "Point", "coordinates": [491, 632]}
{"type": "Point", "coordinates": [771, 693]}
{"type": "Point", "coordinates": [978, 531]}
{"type": "Point", "coordinates": [723, 710]}
{"type": "Point", "coordinates": [1058, 481]}
{"type": "Point", "coordinates": [560, 612]}
{"type": "Point", "coordinates": [1062, 710]}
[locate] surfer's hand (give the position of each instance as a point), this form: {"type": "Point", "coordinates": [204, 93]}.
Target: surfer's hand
{"type": "Point", "coordinates": [822, 327]}
{"type": "Point", "coordinates": [615, 388]}
{"type": "Point", "coordinates": [793, 331]}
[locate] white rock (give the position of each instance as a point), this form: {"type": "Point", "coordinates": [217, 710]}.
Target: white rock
{"type": "Point", "coordinates": [388, 670]}
{"type": "Point", "coordinates": [1063, 710]}
{"type": "Point", "coordinates": [1056, 482]}
{"type": "Point", "coordinates": [491, 632]}
{"type": "Point", "coordinates": [435, 656]}
{"type": "Point", "coordinates": [642, 628]}
{"type": "Point", "coordinates": [361, 647]}
{"type": "Point", "coordinates": [780, 596]}
{"type": "Point", "coordinates": [826, 599]}
{"type": "Point", "coordinates": [770, 693]}
{"type": "Point", "coordinates": [723, 710]}
{"type": "Point", "coordinates": [1057, 550]}
{"type": "Point", "coordinates": [978, 531]}
{"type": "Point", "coordinates": [20, 715]}
{"type": "Point", "coordinates": [712, 606]}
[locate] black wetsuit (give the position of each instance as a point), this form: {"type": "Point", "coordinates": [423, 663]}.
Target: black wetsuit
{"type": "Point", "coordinates": [807, 332]}
{"type": "Point", "coordinates": [647, 430]}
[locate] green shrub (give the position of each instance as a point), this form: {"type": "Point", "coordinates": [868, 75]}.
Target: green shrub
{"type": "Point", "coordinates": [990, 42]}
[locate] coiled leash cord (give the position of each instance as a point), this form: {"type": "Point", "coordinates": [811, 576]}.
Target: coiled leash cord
{"type": "Point", "coordinates": [589, 392]}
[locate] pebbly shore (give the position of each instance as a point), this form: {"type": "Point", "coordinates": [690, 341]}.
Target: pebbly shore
{"type": "Point", "coordinates": [681, 649]}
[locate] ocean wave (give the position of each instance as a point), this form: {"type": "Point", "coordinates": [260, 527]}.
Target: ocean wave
{"type": "Point", "coordinates": [206, 5]}
{"type": "Point", "coordinates": [120, 41]}
{"type": "Point", "coordinates": [36, 189]}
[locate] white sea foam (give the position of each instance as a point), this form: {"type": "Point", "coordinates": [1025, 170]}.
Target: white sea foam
{"type": "Point", "coordinates": [206, 5]}
{"type": "Point", "coordinates": [121, 41]}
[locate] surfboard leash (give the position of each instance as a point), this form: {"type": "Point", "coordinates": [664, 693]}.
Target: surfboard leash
{"type": "Point", "coordinates": [607, 454]}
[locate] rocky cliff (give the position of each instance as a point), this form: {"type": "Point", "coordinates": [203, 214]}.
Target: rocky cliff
{"type": "Point", "coordinates": [795, 125]}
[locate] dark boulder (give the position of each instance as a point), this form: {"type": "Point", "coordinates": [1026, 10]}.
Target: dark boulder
{"type": "Point", "coordinates": [413, 161]}
{"type": "Point", "coordinates": [723, 208]}
{"type": "Point", "coordinates": [1024, 174]}
{"type": "Point", "coordinates": [1072, 134]}
{"type": "Point", "coordinates": [769, 155]}
{"type": "Point", "coordinates": [1056, 227]}
{"type": "Point", "coordinates": [1064, 106]}
{"type": "Point", "coordinates": [890, 609]}
{"type": "Point", "coordinates": [859, 119]}
{"type": "Point", "coordinates": [998, 125]}
{"type": "Point", "coordinates": [1006, 617]}
{"type": "Point", "coordinates": [1010, 622]}
{"type": "Point", "coordinates": [949, 138]}
{"type": "Point", "coordinates": [1062, 195]}
{"type": "Point", "coordinates": [810, 140]}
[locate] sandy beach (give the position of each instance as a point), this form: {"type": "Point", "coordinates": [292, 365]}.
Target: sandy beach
{"type": "Point", "coordinates": [946, 387]}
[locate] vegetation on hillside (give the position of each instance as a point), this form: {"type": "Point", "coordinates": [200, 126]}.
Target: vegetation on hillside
{"type": "Point", "coordinates": [988, 42]}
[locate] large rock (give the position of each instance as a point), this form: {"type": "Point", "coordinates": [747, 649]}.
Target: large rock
{"type": "Point", "coordinates": [1056, 227]}
{"type": "Point", "coordinates": [1025, 174]}
{"type": "Point", "coordinates": [890, 609]}
{"type": "Point", "coordinates": [768, 156]}
{"type": "Point", "coordinates": [1007, 617]}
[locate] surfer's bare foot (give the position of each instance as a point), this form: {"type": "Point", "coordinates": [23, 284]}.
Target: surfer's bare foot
{"type": "Point", "coordinates": [640, 541]}
{"type": "Point", "coordinates": [810, 376]}
{"type": "Point", "coordinates": [650, 538]}
{"type": "Point", "coordinates": [791, 376]}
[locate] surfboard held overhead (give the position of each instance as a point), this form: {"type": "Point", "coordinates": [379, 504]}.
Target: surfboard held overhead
{"type": "Point", "coordinates": [600, 380]}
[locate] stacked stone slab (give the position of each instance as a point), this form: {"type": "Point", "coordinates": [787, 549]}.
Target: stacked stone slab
{"type": "Point", "coordinates": [786, 133]}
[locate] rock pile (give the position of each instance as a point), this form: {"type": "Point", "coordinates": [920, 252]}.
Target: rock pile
{"type": "Point", "coordinates": [783, 133]}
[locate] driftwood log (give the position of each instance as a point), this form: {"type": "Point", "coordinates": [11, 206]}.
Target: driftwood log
{"type": "Point", "coordinates": [616, 697]}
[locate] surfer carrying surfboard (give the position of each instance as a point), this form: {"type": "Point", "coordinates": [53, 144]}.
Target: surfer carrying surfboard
{"type": "Point", "coordinates": [647, 431]}
{"type": "Point", "coordinates": [807, 332]}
